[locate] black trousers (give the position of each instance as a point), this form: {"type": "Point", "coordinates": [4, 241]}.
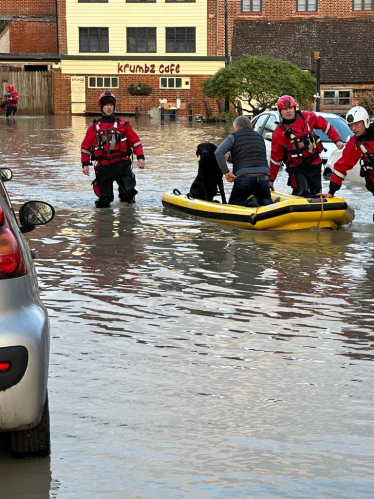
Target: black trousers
{"type": "Point", "coordinates": [10, 111]}
{"type": "Point", "coordinates": [305, 180]}
{"type": "Point", "coordinates": [120, 172]}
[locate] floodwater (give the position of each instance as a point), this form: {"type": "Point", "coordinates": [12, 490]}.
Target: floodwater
{"type": "Point", "coordinates": [192, 359]}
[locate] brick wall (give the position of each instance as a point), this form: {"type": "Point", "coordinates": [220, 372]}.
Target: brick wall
{"type": "Point", "coordinates": [212, 13]}
{"type": "Point", "coordinates": [30, 37]}
{"type": "Point", "coordinates": [27, 7]}
{"type": "Point", "coordinates": [61, 26]}
{"type": "Point", "coordinates": [277, 10]}
{"type": "Point", "coordinates": [127, 102]}
{"type": "Point", "coordinates": [61, 93]}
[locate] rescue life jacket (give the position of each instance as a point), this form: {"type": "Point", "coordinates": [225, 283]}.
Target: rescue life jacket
{"type": "Point", "coordinates": [10, 99]}
{"type": "Point", "coordinates": [367, 160]}
{"type": "Point", "coordinates": [301, 146]}
{"type": "Point", "coordinates": [110, 144]}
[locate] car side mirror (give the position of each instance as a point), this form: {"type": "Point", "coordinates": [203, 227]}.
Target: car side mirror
{"type": "Point", "coordinates": [6, 174]}
{"type": "Point", "coordinates": [35, 213]}
{"type": "Point", "coordinates": [268, 135]}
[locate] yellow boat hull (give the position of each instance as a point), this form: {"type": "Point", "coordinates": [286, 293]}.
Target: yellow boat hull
{"type": "Point", "coordinates": [289, 213]}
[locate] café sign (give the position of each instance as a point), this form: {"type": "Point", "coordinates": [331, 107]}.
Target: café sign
{"type": "Point", "coordinates": [149, 68]}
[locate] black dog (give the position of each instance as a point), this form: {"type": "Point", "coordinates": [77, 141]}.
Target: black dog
{"type": "Point", "coordinates": [209, 175]}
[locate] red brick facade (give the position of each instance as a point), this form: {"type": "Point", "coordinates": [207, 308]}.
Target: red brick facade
{"type": "Point", "coordinates": [32, 26]}
{"type": "Point", "coordinates": [61, 19]}
{"type": "Point", "coordinates": [281, 10]}
{"type": "Point", "coordinates": [33, 37]}
{"type": "Point", "coordinates": [125, 102]}
{"type": "Point", "coordinates": [24, 8]}
{"type": "Point", "coordinates": [61, 93]}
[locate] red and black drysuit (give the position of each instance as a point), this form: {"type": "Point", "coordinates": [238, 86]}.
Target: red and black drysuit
{"type": "Point", "coordinates": [356, 148]}
{"type": "Point", "coordinates": [295, 144]}
{"type": "Point", "coordinates": [9, 103]}
{"type": "Point", "coordinates": [110, 141]}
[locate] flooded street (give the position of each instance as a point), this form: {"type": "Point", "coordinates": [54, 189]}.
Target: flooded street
{"type": "Point", "coordinates": [192, 359]}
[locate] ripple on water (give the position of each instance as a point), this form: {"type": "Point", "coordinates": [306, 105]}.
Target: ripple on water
{"type": "Point", "coordinates": [196, 359]}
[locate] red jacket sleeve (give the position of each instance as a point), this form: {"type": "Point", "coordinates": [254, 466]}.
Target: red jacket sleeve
{"type": "Point", "coordinates": [278, 142]}
{"type": "Point", "coordinates": [351, 154]}
{"type": "Point", "coordinates": [86, 146]}
{"type": "Point", "coordinates": [321, 123]}
{"type": "Point", "coordinates": [134, 141]}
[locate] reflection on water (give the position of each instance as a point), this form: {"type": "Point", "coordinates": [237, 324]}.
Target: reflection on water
{"type": "Point", "coordinates": [192, 359]}
{"type": "Point", "coordinates": [28, 478]}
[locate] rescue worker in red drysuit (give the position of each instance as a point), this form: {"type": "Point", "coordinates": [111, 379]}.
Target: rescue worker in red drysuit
{"type": "Point", "coordinates": [295, 144]}
{"type": "Point", "coordinates": [359, 146]}
{"type": "Point", "coordinates": [110, 141]}
{"type": "Point", "coordinates": [9, 103]}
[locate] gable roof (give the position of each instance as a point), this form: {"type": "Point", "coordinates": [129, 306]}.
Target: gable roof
{"type": "Point", "coordinates": [346, 46]}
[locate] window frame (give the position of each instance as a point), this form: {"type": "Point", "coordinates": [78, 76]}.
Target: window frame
{"type": "Point", "coordinates": [362, 9]}
{"type": "Point", "coordinates": [93, 51]}
{"type": "Point", "coordinates": [175, 28]}
{"type": "Point", "coordinates": [168, 78]}
{"type": "Point", "coordinates": [306, 6]}
{"type": "Point", "coordinates": [103, 77]}
{"type": "Point", "coordinates": [251, 7]}
{"type": "Point", "coordinates": [337, 98]}
{"type": "Point", "coordinates": [141, 51]}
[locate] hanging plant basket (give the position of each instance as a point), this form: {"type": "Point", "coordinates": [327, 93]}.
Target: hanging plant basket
{"type": "Point", "coordinates": [139, 89]}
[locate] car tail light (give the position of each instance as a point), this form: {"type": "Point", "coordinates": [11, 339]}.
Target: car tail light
{"type": "Point", "coordinates": [4, 366]}
{"type": "Point", "coordinates": [11, 260]}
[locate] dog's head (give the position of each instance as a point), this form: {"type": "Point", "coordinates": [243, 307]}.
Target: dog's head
{"type": "Point", "coordinates": [205, 150]}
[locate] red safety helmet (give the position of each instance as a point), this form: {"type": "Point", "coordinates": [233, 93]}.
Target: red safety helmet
{"type": "Point", "coordinates": [10, 87]}
{"type": "Point", "coordinates": [106, 98]}
{"type": "Point", "coordinates": [286, 101]}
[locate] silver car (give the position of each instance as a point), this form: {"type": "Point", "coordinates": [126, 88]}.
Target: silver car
{"type": "Point", "coordinates": [24, 331]}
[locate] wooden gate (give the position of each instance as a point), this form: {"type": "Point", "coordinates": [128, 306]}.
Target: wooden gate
{"type": "Point", "coordinates": [34, 89]}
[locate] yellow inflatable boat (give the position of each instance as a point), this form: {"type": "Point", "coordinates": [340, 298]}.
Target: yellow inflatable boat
{"type": "Point", "coordinates": [286, 213]}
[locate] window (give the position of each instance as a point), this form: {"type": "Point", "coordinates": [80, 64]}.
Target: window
{"type": "Point", "coordinates": [141, 39]}
{"type": "Point", "coordinates": [307, 5]}
{"type": "Point", "coordinates": [344, 98]}
{"type": "Point", "coordinates": [102, 82]}
{"type": "Point", "coordinates": [259, 123]}
{"type": "Point", "coordinates": [180, 39]}
{"type": "Point", "coordinates": [171, 83]}
{"type": "Point", "coordinates": [251, 5]}
{"type": "Point", "coordinates": [140, 1]}
{"type": "Point", "coordinates": [363, 4]}
{"type": "Point", "coordinates": [93, 40]}
{"type": "Point", "coordinates": [180, 1]}
{"type": "Point", "coordinates": [329, 98]}
{"type": "Point", "coordinates": [93, 1]}
{"type": "Point", "coordinates": [337, 98]}
{"type": "Point", "coordinates": [271, 125]}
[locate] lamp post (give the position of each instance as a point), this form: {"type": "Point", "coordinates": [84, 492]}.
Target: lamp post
{"type": "Point", "coordinates": [318, 95]}
{"type": "Point", "coordinates": [227, 61]}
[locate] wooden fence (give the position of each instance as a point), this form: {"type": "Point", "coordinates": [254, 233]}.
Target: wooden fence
{"type": "Point", "coordinates": [34, 89]}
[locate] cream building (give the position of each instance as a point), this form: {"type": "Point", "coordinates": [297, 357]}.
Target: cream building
{"type": "Point", "coordinates": [108, 45]}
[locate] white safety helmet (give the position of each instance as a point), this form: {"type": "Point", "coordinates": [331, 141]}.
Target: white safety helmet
{"type": "Point", "coordinates": [357, 114]}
